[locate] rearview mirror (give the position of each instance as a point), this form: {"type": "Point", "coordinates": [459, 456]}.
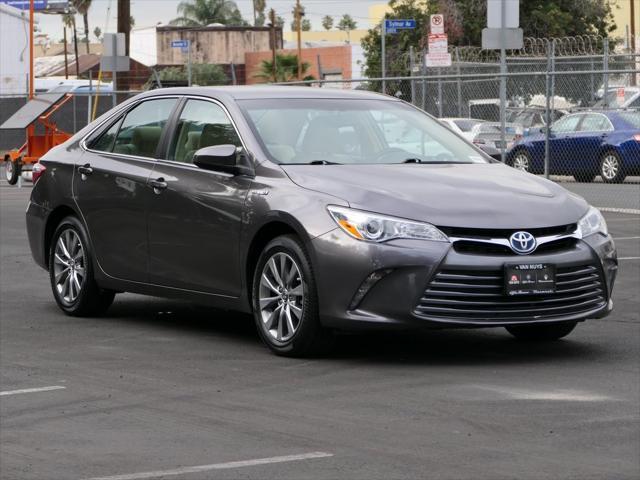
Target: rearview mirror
{"type": "Point", "coordinates": [218, 158]}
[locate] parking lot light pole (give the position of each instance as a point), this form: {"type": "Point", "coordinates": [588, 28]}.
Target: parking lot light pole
{"type": "Point", "coordinates": [503, 80]}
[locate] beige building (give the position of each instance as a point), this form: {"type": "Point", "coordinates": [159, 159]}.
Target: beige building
{"type": "Point", "coordinates": [213, 44]}
{"type": "Point", "coordinates": [622, 15]}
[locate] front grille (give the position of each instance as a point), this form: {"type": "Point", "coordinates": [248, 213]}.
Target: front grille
{"type": "Point", "coordinates": [506, 233]}
{"type": "Point", "coordinates": [469, 247]}
{"type": "Point", "coordinates": [478, 295]}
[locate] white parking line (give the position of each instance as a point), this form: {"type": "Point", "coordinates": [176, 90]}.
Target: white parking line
{"type": "Point", "coordinates": [31, 390]}
{"type": "Point", "coordinates": [625, 238]}
{"type": "Point", "coordinates": [549, 395]}
{"type": "Point", "coordinates": [216, 466]}
{"type": "Point", "coordinates": [628, 258]}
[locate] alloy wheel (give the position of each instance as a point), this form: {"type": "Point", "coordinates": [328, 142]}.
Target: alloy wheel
{"type": "Point", "coordinates": [69, 266]}
{"type": "Point", "coordinates": [281, 297]}
{"type": "Point", "coordinates": [521, 162]}
{"type": "Point", "coordinates": [610, 167]}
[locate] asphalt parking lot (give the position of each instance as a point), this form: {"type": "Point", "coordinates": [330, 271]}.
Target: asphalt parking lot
{"type": "Point", "coordinates": [165, 389]}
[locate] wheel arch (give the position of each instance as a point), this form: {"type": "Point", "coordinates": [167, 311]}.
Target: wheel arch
{"type": "Point", "coordinates": [53, 220]}
{"type": "Point", "coordinates": [275, 225]}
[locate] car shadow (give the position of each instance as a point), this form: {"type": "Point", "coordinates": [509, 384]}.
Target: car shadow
{"type": "Point", "coordinates": [488, 346]}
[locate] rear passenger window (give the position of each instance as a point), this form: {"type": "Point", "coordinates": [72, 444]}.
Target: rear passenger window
{"type": "Point", "coordinates": [201, 124]}
{"type": "Point", "coordinates": [139, 133]}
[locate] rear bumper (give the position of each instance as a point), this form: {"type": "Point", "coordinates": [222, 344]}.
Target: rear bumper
{"type": "Point", "coordinates": [342, 264]}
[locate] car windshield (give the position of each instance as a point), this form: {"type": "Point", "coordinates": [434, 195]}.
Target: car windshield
{"type": "Point", "coordinates": [346, 131]}
{"type": "Point", "coordinates": [466, 125]}
{"type": "Point", "coordinates": [632, 118]}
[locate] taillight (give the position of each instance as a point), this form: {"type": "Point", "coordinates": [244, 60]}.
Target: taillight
{"type": "Point", "coordinates": [37, 171]}
{"type": "Point", "coordinates": [636, 137]}
{"type": "Point", "coordinates": [479, 141]}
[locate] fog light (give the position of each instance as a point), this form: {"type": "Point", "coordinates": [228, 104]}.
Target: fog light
{"type": "Point", "coordinates": [364, 288]}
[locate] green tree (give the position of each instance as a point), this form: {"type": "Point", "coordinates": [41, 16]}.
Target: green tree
{"type": "Point", "coordinates": [327, 22]}
{"type": "Point", "coordinates": [294, 22]}
{"type": "Point", "coordinates": [97, 32]}
{"type": "Point", "coordinates": [194, 13]}
{"type": "Point", "coordinates": [82, 7]}
{"type": "Point", "coordinates": [201, 74]}
{"type": "Point", "coordinates": [346, 24]}
{"type": "Point", "coordinates": [306, 25]}
{"type": "Point", "coordinates": [286, 69]}
{"type": "Point", "coordinates": [280, 21]}
{"type": "Point", "coordinates": [259, 17]}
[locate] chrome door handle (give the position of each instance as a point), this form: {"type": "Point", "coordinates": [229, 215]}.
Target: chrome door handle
{"type": "Point", "coordinates": [158, 185]}
{"type": "Point", "coordinates": [85, 170]}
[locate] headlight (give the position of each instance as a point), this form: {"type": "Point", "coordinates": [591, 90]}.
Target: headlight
{"type": "Point", "coordinates": [592, 222]}
{"type": "Point", "coordinates": [380, 228]}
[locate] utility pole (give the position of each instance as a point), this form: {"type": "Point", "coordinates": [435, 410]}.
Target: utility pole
{"type": "Point", "coordinates": [31, 41]}
{"type": "Point", "coordinates": [272, 18]}
{"type": "Point", "coordinates": [66, 60]}
{"type": "Point", "coordinates": [298, 17]}
{"type": "Point", "coordinates": [124, 26]}
{"type": "Point", "coordinates": [75, 47]}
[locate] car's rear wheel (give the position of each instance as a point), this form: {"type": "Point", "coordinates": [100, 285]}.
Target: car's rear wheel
{"type": "Point", "coordinates": [611, 168]}
{"type": "Point", "coordinates": [71, 272]}
{"type": "Point", "coordinates": [12, 171]}
{"type": "Point", "coordinates": [541, 332]}
{"type": "Point", "coordinates": [521, 161]}
{"type": "Point", "coordinates": [584, 177]}
{"type": "Point", "coordinates": [285, 301]}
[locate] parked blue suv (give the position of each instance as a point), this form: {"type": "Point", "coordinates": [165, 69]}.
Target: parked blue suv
{"type": "Point", "coordinates": [585, 144]}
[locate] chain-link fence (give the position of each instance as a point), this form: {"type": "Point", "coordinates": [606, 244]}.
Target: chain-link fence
{"type": "Point", "coordinates": [571, 113]}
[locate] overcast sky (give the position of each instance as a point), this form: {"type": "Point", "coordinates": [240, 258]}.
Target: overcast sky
{"type": "Point", "coordinates": [148, 13]}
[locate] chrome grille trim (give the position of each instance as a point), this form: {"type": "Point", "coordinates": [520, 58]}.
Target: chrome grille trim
{"type": "Point", "coordinates": [458, 294]}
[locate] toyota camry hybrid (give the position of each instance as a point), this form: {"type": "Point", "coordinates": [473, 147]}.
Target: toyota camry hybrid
{"type": "Point", "coordinates": [316, 210]}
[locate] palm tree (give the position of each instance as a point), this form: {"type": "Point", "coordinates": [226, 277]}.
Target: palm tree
{"type": "Point", "coordinates": [69, 21]}
{"type": "Point", "coordinates": [196, 13]}
{"type": "Point", "coordinates": [82, 7]}
{"type": "Point", "coordinates": [286, 69]}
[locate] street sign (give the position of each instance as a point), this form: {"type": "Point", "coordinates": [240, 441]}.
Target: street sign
{"type": "Point", "coordinates": [438, 59]}
{"type": "Point", "coordinates": [438, 43]}
{"type": "Point", "coordinates": [392, 26]}
{"type": "Point", "coordinates": [180, 44]}
{"type": "Point", "coordinates": [437, 24]}
{"type": "Point", "coordinates": [53, 6]}
{"type": "Point", "coordinates": [492, 38]}
{"type": "Point", "coordinates": [494, 14]}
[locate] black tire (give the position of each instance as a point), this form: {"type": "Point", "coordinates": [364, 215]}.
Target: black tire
{"type": "Point", "coordinates": [611, 168]}
{"type": "Point", "coordinates": [12, 171]}
{"type": "Point", "coordinates": [520, 160]}
{"type": "Point", "coordinates": [308, 337]}
{"type": "Point", "coordinates": [584, 177]}
{"type": "Point", "coordinates": [90, 299]}
{"type": "Point", "coordinates": [542, 332]}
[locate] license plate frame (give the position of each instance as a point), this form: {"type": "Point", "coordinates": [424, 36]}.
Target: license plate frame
{"type": "Point", "coordinates": [529, 279]}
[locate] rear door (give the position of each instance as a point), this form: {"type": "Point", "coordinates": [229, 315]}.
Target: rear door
{"type": "Point", "coordinates": [110, 187]}
{"type": "Point", "coordinates": [194, 221]}
{"type": "Point", "coordinates": [593, 131]}
{"type": "Point", "coordinates": [562, 144]}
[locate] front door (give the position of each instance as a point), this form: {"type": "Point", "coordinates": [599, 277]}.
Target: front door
{"type": "Point", "coordinates": [110, 188]}
{"type": "Point", "coordinates": [195, 218]}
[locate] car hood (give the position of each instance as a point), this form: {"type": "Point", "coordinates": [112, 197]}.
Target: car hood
{"type": "Point", "coordinates": [452, 195]}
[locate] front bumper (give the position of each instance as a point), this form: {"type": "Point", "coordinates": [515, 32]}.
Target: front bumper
{"type": "Point", "coordinates": [342, 264]}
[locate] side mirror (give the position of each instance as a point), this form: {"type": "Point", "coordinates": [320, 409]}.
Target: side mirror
{"type": "Point", "coordinates": [222, 158]}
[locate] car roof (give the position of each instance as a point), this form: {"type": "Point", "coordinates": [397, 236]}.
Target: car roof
{"type": "Point", "coordinates": [272, 91]}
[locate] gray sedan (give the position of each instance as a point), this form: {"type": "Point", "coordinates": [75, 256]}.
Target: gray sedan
{"type": "Point", "coordinates": [315, 210]}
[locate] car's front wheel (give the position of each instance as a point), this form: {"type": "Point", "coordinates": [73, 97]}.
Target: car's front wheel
{"type": "Point", "coordinates": [285, 301]}
{"type": "Point", "coordinates": [611, 168]}
{"type": "Point", "coordinates": [521, 161]}
{"type": "Point", "coordinates": [71, 272]}
{"type": "Point", "coordinates": [541, 332]}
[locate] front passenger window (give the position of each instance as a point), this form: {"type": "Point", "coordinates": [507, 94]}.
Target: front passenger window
{"type": "Point", "coordinates": [201, 124]}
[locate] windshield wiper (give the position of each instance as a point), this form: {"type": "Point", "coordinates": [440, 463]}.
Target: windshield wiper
{"type": "Point", "coordinates": [315, 162]}
{"type": "Point", "coordinates": [429, 162]}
